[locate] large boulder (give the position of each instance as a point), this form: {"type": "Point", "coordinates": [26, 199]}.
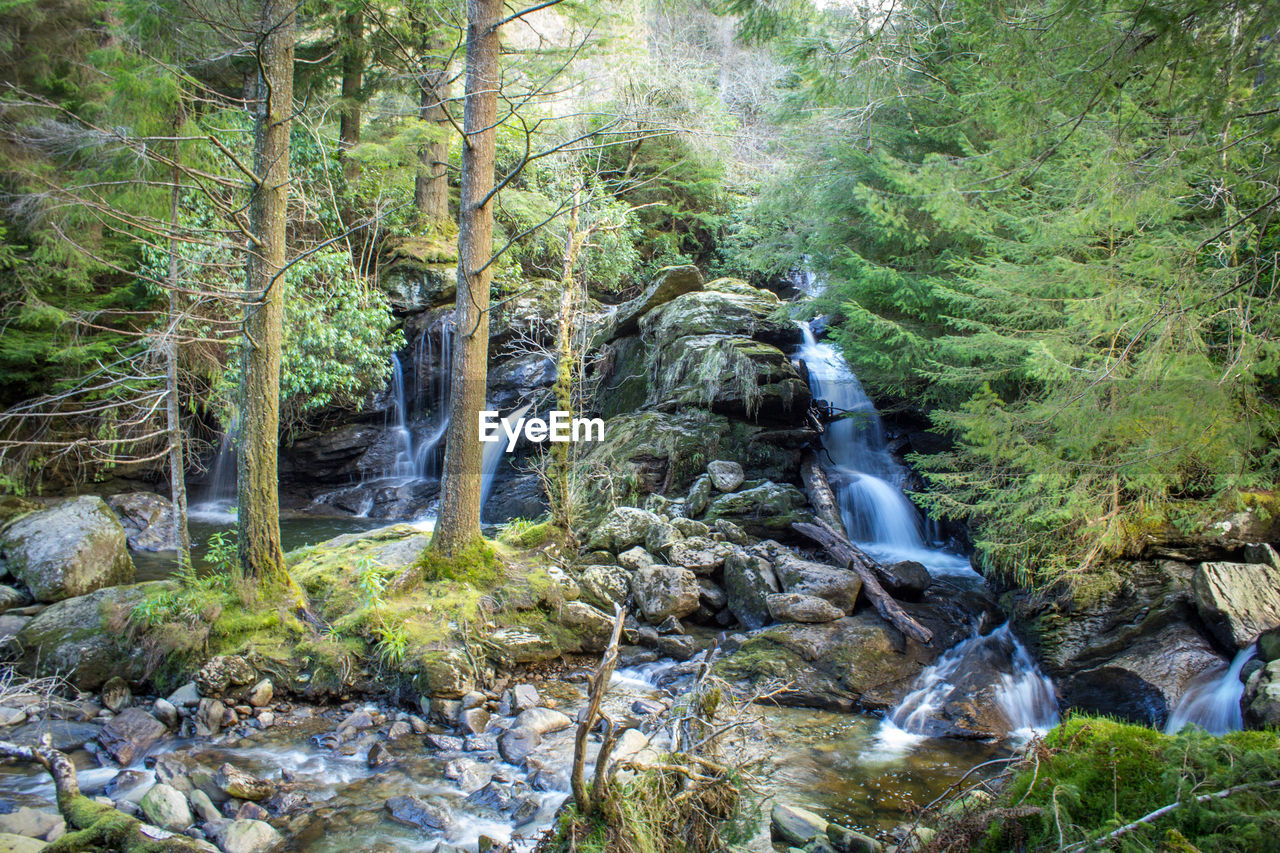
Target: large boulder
{"type": "Point", "coordinates": [623, 528]}
{"type": "Point", "coordinates": [794, 607]}
{"type": "Point", "coordinates": [669, 283]}
{"type": "Point", "coordinates": [420, 272]}
{"type": "Point", "coordinates": [752, 313]}
{"type": "Point", "coordinates": [71, 549]}
{"type": "Point", "coordinates": [147, 519]}
{"type": "Point", "coordinates": [1261, 701]}
{"type": "Point", "coordinates": [840, 587]}
{"type": "Point", "coordinates": [1130, 652]}
{"type": "Point", "coordinates": [605, 586]}
{"type": "Point", "coordinates": [661, 592]}
{"type": "Point", "coordinates": [128, 735]}
{"type": "Point", "coordinates": [735, 376]}
{"type": "Point", "coordinates": [749, 581]}
{"type": "Point", "coordinates": [1238, 601]}
{"type": "Point", "coordinates": [83, 638]}
{"type": "Point", "coordinates": [763, 509]}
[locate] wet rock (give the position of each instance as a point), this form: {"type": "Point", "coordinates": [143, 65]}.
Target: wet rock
{"type": "Point", "coordinates": [676, 646]}
{"type": "Point", "coordinates": [713, 597]}
{"type": "Point", "coordinates": [445, 743]}
{"type": "Point", "coordinates": [635, 558]}
{"type": "Point", "coordinates": [417, 724]}
{"type": "Point", "coordinates": [731, 532]}
{"type": "Point", "coordinates": [33, 823]}
{"type": "Point", "coordinates": [473, 721]}
{"type": "Point", "coordinates": [164, 711]}
{"type": "Point", "coordinates": [726, 476]}
{"type": "Point", "coordinates": [591, 626]}
{"type": "Point", "coordinates": [749, 581]}
{"type": "Point", "coordinates": [623, 528]}
{"type": "Point", "coordinates": [484, 743]}
{"type": "Point", "coordinates": [515, 745]}
{"type": "Point", "coordinates": [185, 697]}
{"type": "Point", "coordinates": [251, 811]}
{"type": "Point", "coordinates": [756, 381]}
{"type": "Point", "coordinates": [64, 735]}
{"type": "Point", "coordinates": [379, 755]}
{"type": "Point", "coordinates": [225, 677]}
{"type": "Point", "coordinates": [543, 721]}
{"type": "Point", "coordinates": [209, 716]}
{"type": "Point", "coordinates": [793, 607]}
{"type": "Point", "coordinates": [234, 782]}
{"type": "Point", "coordinates": [130, 734]}
{"type": "Point", "coordinates": [699, 554]}
{"type": "Point", "coordinates": [265, 719]}
{"type": "Point", "coordinates": [668, 284]}
{"type": "Point", "coordinates": [525, 697]}
{"type": "Point", "coordinates": [417, 812]}
{"type": "Point", "coordinates": [116, 694]}
{"type": "Point", "coordinates": [260, 694]}
{"type": "Point", "coordinates": [399, 729]}
{"type": "Point", "coordinates": [249, 836]}
{"type": "Point", "coordinates": [522, 645]}
{"type": "Point", "coordinates": [1261, 701]}
{"type": "Point", "coordinates": [81, 639]}
{"type": "Point", "coordinates": [794, 825]}
{"type": "Point", "coordinates": [202, 806]}
{"type": "Point", "coordinates": [357, 720]}
{"type": "Point", "coordinates": [470, 775]}
{"type": "Point", "coordinates": [1238, 601]}
{"type": "Point", "coordinates": [905, 579]}
{"type": "Point", "coordinates": [147, 519]}
{"type": "Point", "coordinates": [671, 625]}
{"type": "Point", "coordinates": [12, 716]}
{"type": "Point", "coordinates": [70, 550]}
{"type": "Point", "coordinates": [605, 586]}
{"type": "Point", "coordinates": [128, 784]}
{"type": "Point", "coordinates": [10, 843]}
{"type": "Point", "coordinates": [662, 591]}
{"type": "Point", "coordinates": [167, 808]}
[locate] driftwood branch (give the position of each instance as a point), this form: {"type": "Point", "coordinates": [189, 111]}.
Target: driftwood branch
{"type": "Point", "coordinates": [91, 825]}
{"type": "Point", "coordinates": [846, 553]}
{"type": "Point", "coordinates": [587, 719]}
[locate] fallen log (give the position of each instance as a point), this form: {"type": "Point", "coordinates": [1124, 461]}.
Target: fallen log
{"type": "Point", "coordinates": [94, 826]}
{"type": "Point", "coordinates": [820, 493]}
{"type": "Point", "coordinates": [848, 554]}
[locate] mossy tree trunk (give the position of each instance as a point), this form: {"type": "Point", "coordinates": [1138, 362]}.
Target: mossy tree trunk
{"type": "Point", "coordinates": [431, 185]}
{"type": "Point", "coordinates": [458, 520]}
{"type": "Point", "coordinates": [560, 486]}
{"type": "Point", "coordinates": [351, 44]}
{"type": "Point", "coordinates": [261, 555]}
{"type": "Point", "coordinates": [177, 457]}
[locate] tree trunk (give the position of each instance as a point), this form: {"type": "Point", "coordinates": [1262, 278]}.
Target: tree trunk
{"type": "Point", "coordinates": [458, 521]}
{"type": "Point", "coordinates": [560, 496]}
{"type": "Point", "coordinates": [177, 459]}
{"type": "Point", "coordinates": [261, 555]}
{"type": "Point", "coordinates": [351, 43]}
{"type": "Point", "coordinates": [431, 186]}
{"type": "Point", "coordinates": [820, 495]}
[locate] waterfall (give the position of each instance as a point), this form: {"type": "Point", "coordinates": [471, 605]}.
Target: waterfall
{"type": "Point", "coordinates": [864, 473]}
{"type": "Point", "coordinates": [403, 468]}
{"type": "Point", "coordinates": [217, 500]}
{"type": "Point", "coordinates": [1025, 696]}
{"type": "Point", "coordinates": [493, 452]}
{"type": "Point", "coordinates": [1213, 702]}
{"type": "Point", "coordinates": [438, 389]}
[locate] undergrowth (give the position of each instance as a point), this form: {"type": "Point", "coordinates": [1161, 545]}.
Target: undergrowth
{"type": "Point", "coordinates": [1092, 775]}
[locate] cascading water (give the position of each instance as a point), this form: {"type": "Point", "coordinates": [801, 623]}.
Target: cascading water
{"type": "Point", "coordinates": [403, 468]}
{"type": "Point", "coordinates": [866, 476]}
{"type": "Point", "coordinates": [438, 389]}
{"type": "Point", "coordinates": [1213, 702]}
{"type": "Point", "coordinates": [1025, 696]}
{"type": "Point", "coordinates": [493, 452]}
{"type": "Point", "coordinates": [217, 501]}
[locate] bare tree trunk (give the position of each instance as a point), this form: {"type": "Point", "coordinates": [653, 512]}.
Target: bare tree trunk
{"type": "Point", "coordinates": [351, 43]}
{"type": "Point", "coordinates": [820, 494]}
{"type": "Point", "coordinates": [177, 459]}
{"type": "Point", "coordinates": [431, 185]}
{"type": "Point", "coordinates": [458, 521]}
{"type": "Point", "coordinates": [566, 372]}
{"type": "Point", "coordinates": [261, 555]}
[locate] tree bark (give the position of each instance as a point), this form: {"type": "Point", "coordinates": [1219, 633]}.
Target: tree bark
{"type": "Point", "coordinates": [560, 497]}
{"type": "Point", "coordinates": [431, 185]}
{"type": "Point", "coordinates": [261, 555]}
{"type": "Point", "coordinates": [351, 42]}
{"type": "Point", "coordinates": [820, 493]}
{"type": "Point", "coordinates": [177, 459]}
{"type": "Point", "coordinates": [458, 520]}
{"type": "Point", "coordinates": [846, 553]}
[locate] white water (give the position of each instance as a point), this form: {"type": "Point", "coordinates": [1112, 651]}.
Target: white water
{"type": "Point", "coordinates": [494, 451]}
{"type": "Point", "coordinates": [865, 475]}
{"type": "Point", "coordinates": [217, 500]}
{"type": "Point", "coordinates": [1025, 696]}
{"type": "Point", "coordinates": [1213, 702]}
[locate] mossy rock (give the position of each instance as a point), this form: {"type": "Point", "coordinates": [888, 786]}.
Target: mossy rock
{"type": "Point", "coordinates": [747, 312]}
{"type": "Point", "coordinates": [763, 508]}
{"type": "Point", "coordinates": [729, 375]}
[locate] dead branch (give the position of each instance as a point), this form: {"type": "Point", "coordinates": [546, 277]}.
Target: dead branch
{"type": "Point", "coordinates": [587, 718]}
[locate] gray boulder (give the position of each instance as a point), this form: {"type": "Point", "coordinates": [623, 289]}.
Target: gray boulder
{"type": "Point", "coordinates": [605, 586]}
{"type": "Point", "coordinates": [249, 836]}
{"type": "Point", "coordinates": [129, 734]}
{"type": "Point", "coordinates": [725, 475]}
{"type": "Point", "coordinates": [167, 808]}
{"type": "Point", "coordinates": [749, 580]}
{"type": "Point", "coordinates": [1238, 601]}
{"type": "Point", "coordinates": [1261, 701]}
{"type": "Point", "coordinates": [763, 510]}
{"type": "Point", "coordinates": [82, 638]}
{"type": "Point", "coordinates": [69, 550]}
{"type": "Point", "coordinates": [669, 283]}
{"type": "Point", "coordinates": [592, 627]}
{"type": "Point", "coordinates": [796, 826]}
{"type": "Point", "coordinates": [698, 554]}
{"type": "Point", "coordinates": [623, 528]}
{"type": "Point", "coordinates": [838, 586]}
{"type": "Point", "coordinates": [663, 591]}
{"type": "Point", "coordinates": [147, 519]}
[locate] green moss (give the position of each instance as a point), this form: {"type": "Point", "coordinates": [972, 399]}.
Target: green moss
{"type": "Point", "coordinates": [523, 533]}
{"type": "Point", "coordinates": [476, 564]}
{"type": "Point", "coordinates": [1095, 774]}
